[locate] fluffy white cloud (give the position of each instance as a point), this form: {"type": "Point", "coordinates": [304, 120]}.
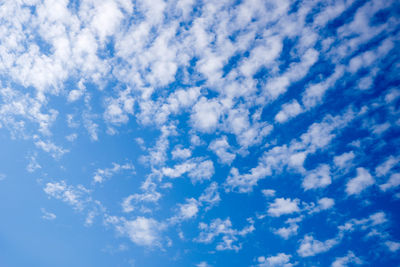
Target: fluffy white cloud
{"type": "Point", "coordinates": [344, 261]}
{"type": "Point", "coordinates": [283, 206]}
{"type": "Point", "coordinates": [268, 192]}
{"type": "Point", "coordinates": [223, 228]}
{"type": "Point", "coordinates": [206, 115]}
{"type": "Point", "coordinates": [143, 231]}
{"type": "Point", "coordinates": [374, 220]}
{"type": "Point", "coordinates": [203, 171]}
{"type": "Point", "coordinates": [394, 181]}
{"type": "Point", "coordinates": [197, 169]}
{"type": "Point", "coordinates": [279, 260]}
{"type": "Point", "coordinates": [286, 232]}
{"type": "Point", "coordinates": [344, 160]}
{"type": "Point", "coordinates": [310, 246]}
{"type": "Point", "coordinates": [317, 137]}
{"type": "Point", "coordinates": [318, 178]}
{"type": "Point", "coordinates": [314, 93]}
{"type": "Point", "coordinates": [186, 211]}
{"type": "Point", "coordinates": [210, 196]}
{"type": "Point", "coordinates": [326, 203]}
{"type": "Point", "coordinates": [184, 71]}
{"type": "Point", "coordinates": [150, 196]}
{"type": "Point", "coordinates": [221, 148]}
{"type": "Point", "coordinates": [359, 183]}
{"type": "Point", "coordinates": [74, 196]}
{"type": "Point", "coordinates": [288, 111]}
{"type": "Point", "coordinates": [181, 153]}
{"type": "Point", "coordinates": [179, 169]}
{"type": "Point", "coordinates": [384, 168]}
{"type": "Point", "coordinates": [392, 246]}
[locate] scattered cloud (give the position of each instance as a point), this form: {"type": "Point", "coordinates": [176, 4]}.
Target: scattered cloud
{"type": "Point", "coordinates": [359, 183]}
{"type": "Point", "coordinates": [392, 245]}
{"type": "Point", "coordinates": [318, 178]}
{"type": "Point", "coordinates": [283, 206]}
{"type": "Point", "coordinates": [223, 228]}
{"type": "Point", "coordinates": [239, 100]}
{"type": "Point", "coordinates": [350, 258]}
{"type": "Point", "coordinates": [48, 215]}
{"type": "Point", "coordinates": [279, 260]}
{"type": "Point", "coordinates": [311, 247]}
{"type": "Point", "coordinates": [103, 174]}
{"type": "Point", "coordinates": [288, 111]}
{"type": "Point", "coordinates": [143, 231]}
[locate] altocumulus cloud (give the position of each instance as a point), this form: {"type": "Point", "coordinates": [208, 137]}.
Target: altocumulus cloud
{"type": "Point", "coordinates": [201, 133]}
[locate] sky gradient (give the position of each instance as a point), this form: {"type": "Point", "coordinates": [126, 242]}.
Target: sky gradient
{"type": "Point", "coordinates": [199, 133]}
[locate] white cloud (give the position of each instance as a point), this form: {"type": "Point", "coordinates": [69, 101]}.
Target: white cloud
{"type": "Point", "coordinates": [279, 84]}
{"type": "Point", "coordinates": [139, 49]}
{"type": "Point", "coordinates": [394, 181]}
{"type": "Point", "coordinates": [317, 178]}
{"type": "Point", "coordinates": [314, 93]}
{"type": "Point", "coordinates": [288, 111]}
{"type": "Point", "coordinates": [286, 232]}
{"type": "Point", "coordinates": [2, 176]}
{"type": "Point", "coordinates": [283, 206]}
{"type": "Point", "coordinates": [71, 137]}
{"type": "Point", "coordinates": [49, 147]}
{"type": "Point", "coordinates": [206, 115]}
{"type": "Point", "coordinates": [149, 196]}
{"type": "Point", "coordinates": [344, 261]}
{"type": "Point", "coordinates": [378, 129]}
{"type": "Point", "coordinates": [74, 95]}
{"type": "Point", "coordinates": [268, 192]}
{"type": "Point", "coordinates": [203, 171]}
{"type": "Point", "coordinates": [33, 164]}
{"type": "Point", "coordinates": [263, 55]}
{"type": "Point", "coordinates": [102, 174]}
{"type": "Point", "coordinates": [181, 153]}
{"type": "Point", "coordinates": [143, 231]}
{"type": "Point", "coordinates": [311, 247]}
{"type": "Point", "coordinates": [344, 160]}
{"type": "Point", "coordinates": [317, 137]}
{"type": "Point", "coordinates": [374, 220]}
{"type": "Point", "coordinates": [77, 93]}
{"type": "Point", "coordinates": [210, 196]}
{"type": "Point", "coordinates": [106, 19]}
{"type": "Point", "coordinates": [91, 127]}
{"type": "Point", "coordinates": [248, 132]}
{"type": "Point", "coordinates": [119, 108]}
{"type": "Point", "coordinates": [326, 203]}
{"type": "Point", "coordinates": [384, 168]}
{"type": "Point", "coordinates": [197, 169]}
{"type": "Point", "coordinates": [392, 246]}
{"type": "Point", "coordinates": [186, 211]}
{"type": "Point", "coordinates": [48, 215]}
{"type": "Point", "coordinates": [195, 140]}
{"type": "Point", "coordinates": [179, 169]}
{"type": "Point", "coordinates": [203, 264]}
{"type": "Point", "coordinates": [74, 196]}
{"type": "Point", "coordinates": [220, 147]}
{"type": "Point", "coordinates": [359, 183]}
{"type": "Point", "coordinates": [279, 260]}
{"type": "Point", "coordinates": [223, 228]}
{"type": "Point", "coordinates": [189, 210]}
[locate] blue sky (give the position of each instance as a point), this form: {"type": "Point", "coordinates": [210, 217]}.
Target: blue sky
{"type": "Point", "coordinates": [199, 133]}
